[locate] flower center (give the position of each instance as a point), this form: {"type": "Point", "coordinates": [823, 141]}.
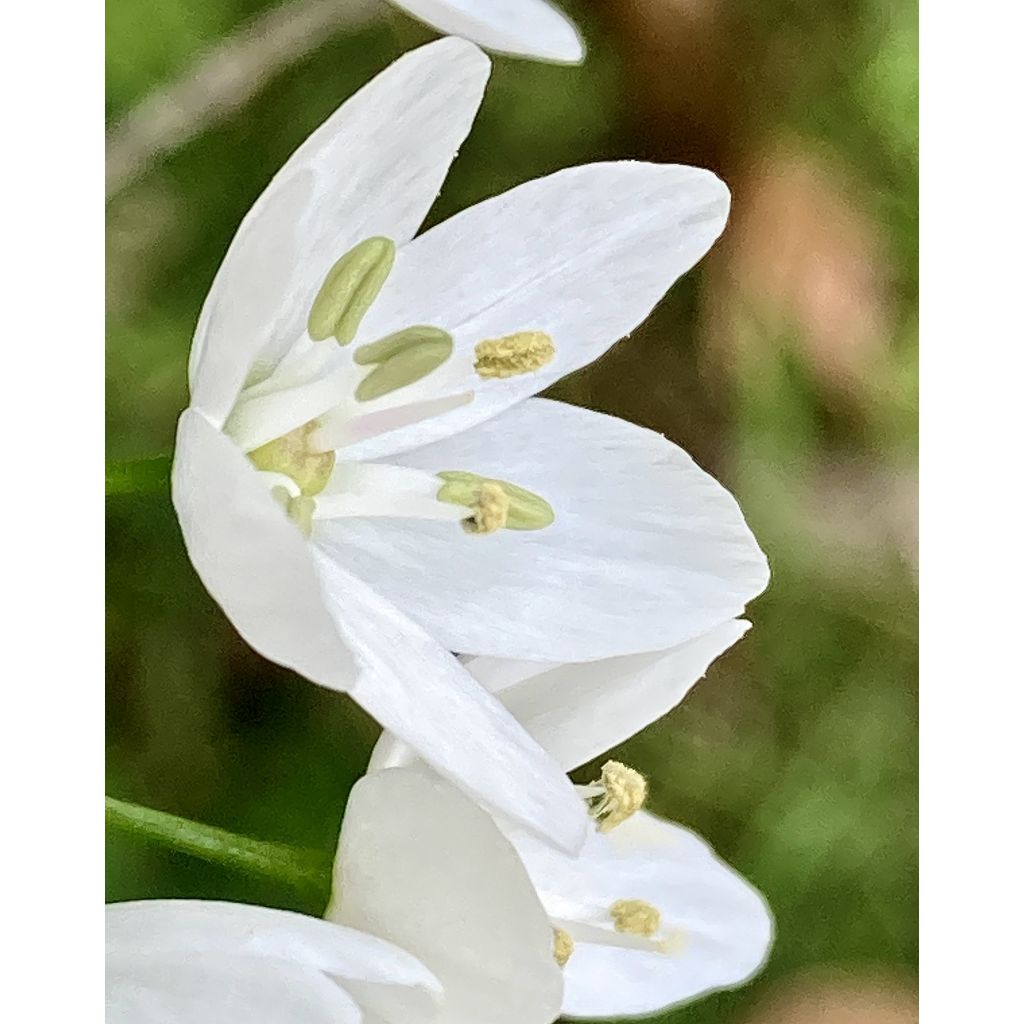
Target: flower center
{"type": "Point", "coordinates": [294, 455]}
{"type": "Point", "coordinates": [564, 946]}
{"type": "Point", "coordinates": [635, 917]}
{"type": "Point", "coordinates": [513, 354]}
{"type": "Point", "coordinates": [616, 796]}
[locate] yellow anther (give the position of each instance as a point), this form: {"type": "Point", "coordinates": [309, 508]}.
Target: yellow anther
{"type": "Point", "coordinates": [635, 917]}
{"type": "Point", "coordinates": [294, 456]}
{"type": "Point", "coordinates": [619, 794]}
{"type": "Point", "coordinates": [564, 947]}
{"type": "Point", "coordinates": [513, 354]}
{"type": "Point", "coordinates": [490, 512]}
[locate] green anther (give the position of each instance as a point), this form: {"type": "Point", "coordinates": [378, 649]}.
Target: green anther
{"type": "Point", "coordinates": [402, 359]}
{"type": "Point", "coordinates": [526, 510]}
{"type": "Point", "coordinates": [300, 511]}
{"type": "Point", "coordinates": [349, 289]}
{"type": "Point", "coordinates": [293, 456]}
{"type": "Point", "coordinates": [400, 341]}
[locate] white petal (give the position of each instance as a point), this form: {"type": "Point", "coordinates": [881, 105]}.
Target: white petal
{"type": "Point", "coordinates": [418, 691]}
{"type": "Point", "coordinates": [373, 168]}
{"type": "Point", "coordinates": [254, 562]}
{"type": "Point", "coordinates": [422, 866]}
{"type": "Point", "coordinates": [646, 551]}
{"type": "Point", "coordinates": [528, 28]}
{"type": "Point", "coordinates": [338, 632]}
{"type": "Point", "coordinates": [717, 927]}
{"type": "Point", "coordinates": [578, 711]}
{"type": "Point", "coordinates": [222, 990]}
{"type": "Point", "coordinates": [584, 255]}
{"type": "Point", "coordinates": [190, 960]}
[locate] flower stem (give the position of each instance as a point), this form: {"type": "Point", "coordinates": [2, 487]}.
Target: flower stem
{"type": "Point", "coordinates": [307, 870]}
{"type": "Point", "coordinates": [139, 476]}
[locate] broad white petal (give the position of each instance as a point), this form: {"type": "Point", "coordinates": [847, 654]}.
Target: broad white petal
{"type": "Point", "coordinates": [190, 960]}
{"type": "Point", "coordinates": [254, 562]}
{"type": "Point", "coordinates": [578, 711]}
{"type": "Point", "coordinates": [584, 255]}
{"type": "Point", "coordinates": [419, 692]}
{"type": "Point", "coordinates": [422, 866]}
{"type": "Point", "coordinates": [303, 611]}
{"type": "Point", "coordinates": [716, 927]}
{"type": "Point", "coordinates": [528, 28]}
{"type": "Point", "coordinates": [373, 168]}
{"type": "Point", "coordinates": [222, 990]}
{"type": "Point", "coordinates": [646, 551]}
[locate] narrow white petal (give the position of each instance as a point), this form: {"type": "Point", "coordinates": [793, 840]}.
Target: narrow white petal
{"type": "Point", "coordinates": [190, 960]}
{"type": "Point", "coordinates": [254, 562]}
{"type": "Point", "coordinates": [373, 168]}
{"type": "Point", "coordinates": [528, 28]}
{"type": "Point", "coordinates": [419, 692]}
{"type": "Point", "coordinates": [716, 927]}
{"type": "Point", "coordinates": [647, 551]}
{"type": "Point", "coordinates": [422, 866]}
{"type": "Point", "coordinates": [584, 255]}
{"type": "Point", "coordinates": [578, 711]}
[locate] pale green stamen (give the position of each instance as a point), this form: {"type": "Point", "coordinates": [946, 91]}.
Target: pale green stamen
{"type": "Point", "coordinates": [402, 359]}
{"type": "Point", "coordinates": [293, 455]}
{"type": "Point", "coordinates": [513, 354]}
{"type": "Point", "coordinates": [525, 510]}
{"type": "Point", "coordinates": [349, 289]}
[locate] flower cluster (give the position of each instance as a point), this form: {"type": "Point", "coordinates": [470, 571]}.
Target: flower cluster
{"type": "Point", "coordinates": [366, 484]}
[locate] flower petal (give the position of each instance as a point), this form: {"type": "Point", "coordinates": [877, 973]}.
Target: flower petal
{"type": "Point", "coordinates": [308, 614]}
{"type": "Point", "coordinates": [207, 960]}
{"type": "Point", "coordinates": [528, 28]}
{"type": "Point", "coordinates": [419, 692]}
{"type": "Point", "coordinates": [583, 255]}
{"type": "Point", "coordinates": [646, 551]}
{"type": "Point", "coordinates": [579, 710]}
{"type": "Point", "coordinates": [373, 168]}
{"type": "Point", "coordinates": [422, 866]}
{"type": "Point", "coordinates": [254, 562]}
{"type": "Point", "coordinates": [716, 927]}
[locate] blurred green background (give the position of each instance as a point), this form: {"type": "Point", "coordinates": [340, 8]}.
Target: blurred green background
{"type": "Point", "coordinates": [786, 364]}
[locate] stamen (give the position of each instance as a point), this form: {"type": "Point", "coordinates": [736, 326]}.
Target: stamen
{"type": "Point", "coordinates": [300, 511]}
{"type": "Point", "coordinates": [564, 946]}
{"type": "Point", "coordinates": [524, 510]}
{"type": "Point", "coordinates": [294, 456]}
{"type": "Point", "coordinates": [349, 290]}
{"type": "Point", "coordinates": [635, 917]}
{"type": "Point", "coordinates": [490, 511]}
{"type": "Point", "coordinates": [513, 354]}
{"type": "Point", "coordinates": [618, 794]}
{"type": "Point", "coordinates": [402, 359]}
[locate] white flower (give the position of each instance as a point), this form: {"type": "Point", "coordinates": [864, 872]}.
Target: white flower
{"type": "Point", "coordinates": [446, 930]}
{"type": "Point", "coordinates": [422, 866]}
{"type": "Point", "coordinates": [362, 503]}
{"type": "Point", "coordinates": [529, 28]}
{"type": "Point", "coordinates": [647, 916]}
{"type": "Point", "coordinates": [206, 962]}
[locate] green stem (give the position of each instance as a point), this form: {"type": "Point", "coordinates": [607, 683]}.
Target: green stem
{"type": "Point", "coordinates": [307, 870]}
{"type": "Point", "coordinates": [139, 476]}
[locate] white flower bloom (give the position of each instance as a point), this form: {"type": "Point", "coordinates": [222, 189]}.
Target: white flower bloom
{"type": "Point", "coordinates": [446, 929]}
{"type": "Point", "coordinates": [363, 479]}
{"type": "Point", "coordinates": [206, 962]}
{"type": "Point", "coordinates": [647, 916]}
{"type": "Point", "coordinates": [422, 866]}
{"type": "Point", "coordinates": [528, 28]}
